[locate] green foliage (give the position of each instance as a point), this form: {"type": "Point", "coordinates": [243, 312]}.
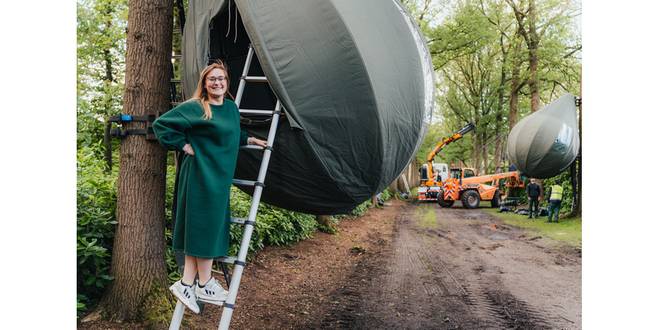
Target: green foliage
{"type": "Point", "coordinates": [81, 304]}
{"type": "Point", "coordinates": [453, 153]}
{"type": "Point", "coordinates": [274, 226]}
{"type": "Point", "coordinates": [361, 209]}
{"type": "Point", "coordinates": [386, 194]}
{"type": "Point", "coordinates": [564, 180]}
{"type": "Point", "coordinates": [96, 197]}
{"type": "Point", "coordinates": [158, 307]}
{"type": "Point", "coordinates": [476, 50]}
{"type": "Point", "coordinates": [101, 47]}
{"type": "Point", "coordinates": [173, 272]}
{"type": "Point", "coordinates": [329, 227]}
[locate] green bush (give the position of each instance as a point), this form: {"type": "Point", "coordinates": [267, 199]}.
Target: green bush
{"type": "Point", "coordinates": [96, 198]}
{"type": "Point", "coordinates": [361, 209]}
{"type": "Point", "coordinates": [563, 179]}
{"type": "Point", "coordinates": [386, 195]}
{"type": "Point", "coordinates": [173, 273]}
{"type": "Point", "coordinates": [274, 226]}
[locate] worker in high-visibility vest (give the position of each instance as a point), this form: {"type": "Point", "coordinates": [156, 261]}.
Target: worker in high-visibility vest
{"type": "Point", "coordinates": [554, 202]}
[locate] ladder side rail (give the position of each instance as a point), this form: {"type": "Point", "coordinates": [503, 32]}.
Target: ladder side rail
{"type": "Point", "coordinates": [241, 84]}
{"type": "Point", "coordinates": [177, 316]}
{"type": "Point", "coordinates": [228, 310]}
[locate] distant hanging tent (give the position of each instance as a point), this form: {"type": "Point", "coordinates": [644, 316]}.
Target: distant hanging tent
{"type": "Point", "coordinates": [354, 77]}
{"type": "Point", "coordinates": [546, 142]}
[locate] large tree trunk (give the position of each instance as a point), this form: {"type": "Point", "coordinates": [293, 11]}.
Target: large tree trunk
{"type": "Point", "coordinates": [138, 258]}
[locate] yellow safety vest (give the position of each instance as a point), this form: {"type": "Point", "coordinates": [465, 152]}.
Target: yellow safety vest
{"type": "Point", "coordinates": [556, 192]}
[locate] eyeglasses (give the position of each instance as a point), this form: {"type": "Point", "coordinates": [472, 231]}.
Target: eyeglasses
{"type": "Point", "coordinates": [214, 79]}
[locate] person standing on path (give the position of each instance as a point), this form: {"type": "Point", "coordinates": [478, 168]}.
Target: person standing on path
{"type": "Point", "coordinates": [533, 193]}
{"type": "Point", "coordinates": [554, 204]}
{"type": "Point", "coordinates": [206, 128]}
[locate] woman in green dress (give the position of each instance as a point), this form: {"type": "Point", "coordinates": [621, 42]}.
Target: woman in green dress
{"type": "Point", "coordinates": [207, 129]}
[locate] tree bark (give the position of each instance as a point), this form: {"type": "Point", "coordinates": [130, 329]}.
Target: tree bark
{"type": "Point", "coordinates": [515, 85]}
{"type": "Point", "coordinates": [576, 169]}
{"type": "Point", "coordinates": [484, 151]}
{"type": "Point", "coordinates": [138, 258]}
{"type": "Point", "coordinates": [476, 152]}
{"type": "Point", "coordinates": [532, 41]}
{"type": "Point", "coordinates": [108, 79]}
{"type": "Point", "coordinates": [533, 45]}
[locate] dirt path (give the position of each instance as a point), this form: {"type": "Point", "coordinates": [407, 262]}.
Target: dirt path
{"type": "Point", "coordinates": [463, 269]}
{"type": "Point", "coordinates": [409, 266]}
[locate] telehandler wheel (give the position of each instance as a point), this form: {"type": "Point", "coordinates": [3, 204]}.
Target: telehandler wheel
{"type": "Point", "coordinates": [497, 198]}
{"type": "Point", "coordinates": [470, 199]}
{"type": "Point", "coordinates": [445, 203]}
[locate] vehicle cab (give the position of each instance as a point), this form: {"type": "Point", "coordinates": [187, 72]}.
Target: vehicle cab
{"type": "Point", "coordinates": [462, 173]}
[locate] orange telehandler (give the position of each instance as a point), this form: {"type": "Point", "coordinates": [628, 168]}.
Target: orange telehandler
{"type": "Point", "coordinates": [463, 185]}
{"type": "Point", "coordinates": [430, 185]}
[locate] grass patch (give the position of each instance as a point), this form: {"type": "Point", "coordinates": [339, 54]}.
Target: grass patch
{"type": "Point", "coordinates": [568, 231]}
{"type": "Point", "coordinates": [426, 215]}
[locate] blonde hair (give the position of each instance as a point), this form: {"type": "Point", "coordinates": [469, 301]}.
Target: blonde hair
{"type": "Point", "coordinates": [201, 94]}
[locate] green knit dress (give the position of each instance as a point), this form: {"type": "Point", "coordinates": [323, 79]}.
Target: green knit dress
{"type": "Point", "coordinates": [202, 217]}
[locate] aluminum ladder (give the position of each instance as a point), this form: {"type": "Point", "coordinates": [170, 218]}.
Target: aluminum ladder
{"type": "Point", "coordinates": [250, 221]}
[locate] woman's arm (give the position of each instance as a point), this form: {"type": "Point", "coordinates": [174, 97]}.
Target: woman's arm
{"type": "Point", "coordinates": [170, 129]}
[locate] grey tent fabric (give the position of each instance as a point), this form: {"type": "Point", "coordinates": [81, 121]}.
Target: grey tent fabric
{"type": "Point", "coordinates": [546, 142]}
{"type": "Point", "coordinates": [355, 80]}
{"type": "Point", "coordinates": [195, 47]}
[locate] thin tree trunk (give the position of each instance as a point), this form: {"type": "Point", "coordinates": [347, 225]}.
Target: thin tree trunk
{"type": "Point", "coordinates": [138, 258]}
{"type": "Point", "coordinates": [476, 152]}
{"type": "Point", "coordinates": [107, 57]}
{"type": "Point", "coordinates": [484, 151]}
{"type": "Point", "coordinates": [534, 80]}
{"type": "Point", "coordinates": [576, 169]}
{"type": "Point", "coordinates": [533, 57]}
{"type": "Point", "coordinates": [515, 85]}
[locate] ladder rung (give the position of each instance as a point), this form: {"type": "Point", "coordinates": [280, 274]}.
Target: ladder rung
{"type": "Point", "coordinates": [256, 79]}
{"type": "Point", "coordinates": [244, 182]}
{"type": "Point", "coordinates": [251, 147]}
{"type": "Point", "coordinates": [239, 221]}
{"type": "Point", "coordinates": [227, 260]}
{"type": "Point", "coordinates": [257, 112]}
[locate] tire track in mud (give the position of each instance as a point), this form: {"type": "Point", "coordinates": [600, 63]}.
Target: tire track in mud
{"type": "Point", "coordinates": [347, 308]}
{"type": "Point", "coordinates": [438, 274]}
{"type": "Point", "coordinates": [491, 295]}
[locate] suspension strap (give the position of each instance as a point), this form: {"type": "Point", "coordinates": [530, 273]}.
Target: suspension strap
{"type": "Point", "coordinates": [123, 118]}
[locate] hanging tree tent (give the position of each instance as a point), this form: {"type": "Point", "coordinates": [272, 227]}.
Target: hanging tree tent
{"type": "Point", "coordinates": [355, 80]}
{"type": "Point", "coordinates": [546, 142]}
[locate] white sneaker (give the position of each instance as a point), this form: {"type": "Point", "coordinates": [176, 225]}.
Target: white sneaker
{"type": "Point", "coordinates": [186, 294]}
{"type": "Point", "coordinates": [211, 293]}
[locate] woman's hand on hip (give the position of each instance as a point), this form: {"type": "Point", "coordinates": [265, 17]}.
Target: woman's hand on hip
{"type": "Point", "coordinates": [188, 149]}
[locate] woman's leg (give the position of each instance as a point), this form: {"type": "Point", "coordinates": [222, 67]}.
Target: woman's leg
{"type": "Point", "coordinates": [183, 289]}
{"type": "Point", "coordinates": [189, 270]}
{"type": "Point", "coordinates": [204, 270]}
{"type": "Point", "coordinates": [208, 289]}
